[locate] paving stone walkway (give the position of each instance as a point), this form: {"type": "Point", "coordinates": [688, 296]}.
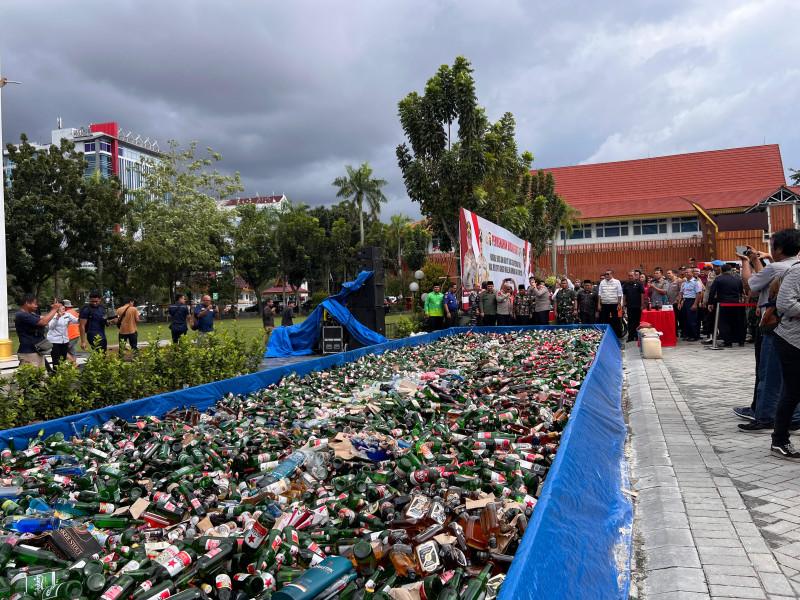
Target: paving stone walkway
{"type": "Point", "coordinates": [717, 516]}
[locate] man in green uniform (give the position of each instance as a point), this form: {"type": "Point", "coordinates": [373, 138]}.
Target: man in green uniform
{"type": "Point", "coordinates": [434, 309]}
{"type": "Point", "coordinates": [566, 304]}
{"type": "Point", "coordinates": [488, 305]}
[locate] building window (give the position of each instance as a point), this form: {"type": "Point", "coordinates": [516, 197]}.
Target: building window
{"type": "Point", "coordinates": [612, 229]}
{"type": "Point", "coordinates": [579, 233]}
{"type": "Point", "coordinates": [685, 225]}
{"type": "Point", "coordinates": [120, 151]}
{"type": "Point", "coordinates": [89, 147]}
{"type": "Point", "coordinates": [90, 164]}
{"type": "Point", "coordinates": [649, 226]}
{"type": "Point", "coordinates": [105, 147]}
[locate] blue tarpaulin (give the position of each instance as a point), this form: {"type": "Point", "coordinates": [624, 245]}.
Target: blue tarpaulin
{"type": "Point", "coordinates": [578, 542]}
{"type": "Point", "coordinates": [299, 340]}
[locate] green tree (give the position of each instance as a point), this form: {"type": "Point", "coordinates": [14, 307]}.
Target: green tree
{"type": "Point", "coordinates": [42, 205]}
{"type": "Point", "coordinates": [546, 209]}
{"type": "Point", "coordinates": [255, 256]}
{"type": "Point", "coordinates": [339, 247]}
{"type": "Point", "coordinates": [795, 176]}
{"type": "Point", "coordinates": [415, 252]}
{"type": "Point", "coordinates": [502, 192]}
{"type": "Point", "coordinates": [176, 217]}
{"type": "Point", "coordinates": [300, 241]}
{"type": "Point", "coordinates": [97, 238]}
{"type": "Point", "coordinates": [442, 172]}
{"type": "Point", "coordinates": [361, 186]}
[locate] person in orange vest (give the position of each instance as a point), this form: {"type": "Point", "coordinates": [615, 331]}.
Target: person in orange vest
{"type": "Point", "coordinates": [73, 332]}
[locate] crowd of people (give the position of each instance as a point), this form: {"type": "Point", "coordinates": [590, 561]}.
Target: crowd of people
{"type": "Point", "coordinates": [757, 302]}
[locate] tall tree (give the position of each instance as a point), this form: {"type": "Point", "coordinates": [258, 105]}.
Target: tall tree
{"type": "Point", "coordinates": [300, 240]}
{"type": "Point", "coordinates": [441, 171]}
{"type": "Point", "coordinates": [361, 186]}
{"type": "Point", "coordinates": [176, 217]}
{"type": "Point", "coordinates": [795, 176]}
{"type": "Point", "coordinates": [546, 209]}
{"type": "Point", "coordinates": [42, 206]}
{"type": "Point", "coordinates": [255, 255]}
{"type": "Point", "coordinates": [415, 253]}
{"type": "Point", "coordinates": [96, 237]}
{"type": "Point", "coordinates": [340, 248]}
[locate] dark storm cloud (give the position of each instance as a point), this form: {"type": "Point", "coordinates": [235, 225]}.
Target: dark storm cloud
{"type": "Point", "coordinates": [290, 93]}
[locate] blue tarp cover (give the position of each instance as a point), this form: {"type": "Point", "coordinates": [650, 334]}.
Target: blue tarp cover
{"type": "Point", "coordinates": [578, 542]}
{"type": "Point", "coordinates": [299, 340]}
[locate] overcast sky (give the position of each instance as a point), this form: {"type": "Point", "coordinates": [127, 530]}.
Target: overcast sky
{"type": "Point", "coordinates": [290, 92]}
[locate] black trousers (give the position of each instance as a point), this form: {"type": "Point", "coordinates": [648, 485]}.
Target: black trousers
{"type": "Point", "coordinates": [541, 317]}
{"type": "Point", "coordinates": [609, 315]}
{"type": "Point", "coordinates": [634, 318]}
{"type": "Point", "coordinates": [758, 337]}
{"type": "Point", "coordinates": [503, 320]}
{"type": "Point", "coordinates": [99, 343]}
{"type": "Point", "coordinates": [59, 353]}
{"type": "Point", "coordinates": [176, 335]}
{"type": "Point", "coordinates": [732, 325]}
{"type": "Point", "coordinates": [435, 323]}
{"type": "Point", "coordinates": [489, 320]}
{"type": "Point", "coordinates": [132, 340]}
{"type": "Point", "coordinates": [789, 356]}
{"type": "Point", "coordinates": [587, 318]}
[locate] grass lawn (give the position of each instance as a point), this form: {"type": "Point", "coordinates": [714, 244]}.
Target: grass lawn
{"type": "Point", "coordinates": [251, 327]}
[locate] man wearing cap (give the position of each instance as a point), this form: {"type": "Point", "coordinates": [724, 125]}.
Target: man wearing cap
{"type": "Point", "coordinates": [688, 302]}
{"type": "Point", "coordinates": [609, 301]}
{"type": "Point", "coordinates": [487, 304]}
{"type": "Point", "coordinates": [587, 303]}
{"type": "Point", "coordinates": [434, 308]}
{"type": "Point", "coordinates": [728, 289]}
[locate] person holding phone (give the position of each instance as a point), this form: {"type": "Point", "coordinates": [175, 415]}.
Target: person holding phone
{"type": "Point", "coordinates": [58, 333]}
{"type": "Point", "coordinates": [204, 315]}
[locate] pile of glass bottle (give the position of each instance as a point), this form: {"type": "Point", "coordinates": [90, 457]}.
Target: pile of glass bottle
{"type": "Point", "coordinates": [407, 474]}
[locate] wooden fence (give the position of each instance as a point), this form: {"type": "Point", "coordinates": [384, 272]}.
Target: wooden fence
{"type": "Point", "coordinates": [728, 240]}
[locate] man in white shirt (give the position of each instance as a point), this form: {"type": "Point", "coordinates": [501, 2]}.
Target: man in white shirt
{"type": "Point", "coordinates": [609, 301]}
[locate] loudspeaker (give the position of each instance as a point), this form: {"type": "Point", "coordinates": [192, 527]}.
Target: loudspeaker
{"type": "Point", "coordinates": [370, 259]}
{"type": "Point", "coordinates": [372, 318]}
{"type": "Point", "coordinates": [370, 295]}
{"type": "Point", "coordinates": [332, 339]}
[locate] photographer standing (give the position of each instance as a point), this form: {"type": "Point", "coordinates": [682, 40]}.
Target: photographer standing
{"type": "Point", "coordinates": [30, 329]}
{"type": "Point", "coordinates": [204, 315]}
{"type": "Point", "coordinates": [58, 333]}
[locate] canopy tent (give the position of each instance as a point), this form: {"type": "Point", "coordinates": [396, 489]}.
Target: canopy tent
{"type": "Point", "coordinates": [299, 339]}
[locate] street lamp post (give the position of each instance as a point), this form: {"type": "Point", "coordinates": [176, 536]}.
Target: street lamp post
{"type": "Point", "coordinates": [5, 342]}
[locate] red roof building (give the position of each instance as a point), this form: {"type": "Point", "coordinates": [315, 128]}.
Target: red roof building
{"type": "Point", "coordinates": [666, 210]}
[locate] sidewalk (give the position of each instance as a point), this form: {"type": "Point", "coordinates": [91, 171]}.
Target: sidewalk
{"type": "Point", "coordinates": [717, 516]}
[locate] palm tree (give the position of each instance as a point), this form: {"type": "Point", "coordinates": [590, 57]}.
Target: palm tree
{"type": "Point", "coordinates": [359, 185]}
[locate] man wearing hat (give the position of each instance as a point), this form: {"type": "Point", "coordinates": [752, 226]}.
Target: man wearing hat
{"type": "Point", "coordinates": [587, 303]}
{"type": "Point", "coordinates": [73, 332]}
{"type": "Point", "coordinates": [487, 305]}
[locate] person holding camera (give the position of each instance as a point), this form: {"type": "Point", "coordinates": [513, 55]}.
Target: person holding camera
{"type": "Point", "coordinates": [93, 322]}
{"type": "Point", "coordinates": [204, 315]}
{"type": "Point", "coordinates": [129, 317]}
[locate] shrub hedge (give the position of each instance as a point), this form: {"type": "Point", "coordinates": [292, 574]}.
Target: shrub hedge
{"type": "Point", "coordinates": [31, 394]}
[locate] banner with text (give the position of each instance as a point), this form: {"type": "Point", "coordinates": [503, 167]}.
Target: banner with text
{"type": "Point", "coordinates": [491, 253]}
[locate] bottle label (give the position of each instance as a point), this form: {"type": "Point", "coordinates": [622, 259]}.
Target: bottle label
{"type": "Point", "coordinates": [106, 508]}
{"type": "Point", "coordinates": [223, 581]}
{"type": "Point", "coordinates": [36, 584]}
{"type": "Point", "coordinates": [146, 585]}
{"type": "Point", "coordinates": [428, 557]}
{"type": "Point", "coordinates": [195, 502]}
{"type": "Point", "coordinates": [417, 508]}
{"type": "Point", "coordinates": [112, 592]}
{"type": "Point", "coordinates": [438, 514]}
{"type": "Point", "coordinates": [256, 535]}
{"type": "Point", "coordinates": [211, 544]}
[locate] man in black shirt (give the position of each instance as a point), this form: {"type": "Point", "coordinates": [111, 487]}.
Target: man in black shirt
{"type": "Point", "coordinates": [632, 302]}
{"type": "Point", "coordinates": [93, 321]}
{"type": "Point", "coordinates": [727, 288]}
{"type": "Point", "coordinates": [587, 303]}
{"type": "Point", "coordinates": [287, 317]}
{"type": "Point", "coordinates": [180, 318]}
{"type": "Point", "coordinates": [30, 329]}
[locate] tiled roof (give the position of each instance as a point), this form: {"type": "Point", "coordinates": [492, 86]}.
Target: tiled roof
{"type": "Point", "coordinates": [739, 177]}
